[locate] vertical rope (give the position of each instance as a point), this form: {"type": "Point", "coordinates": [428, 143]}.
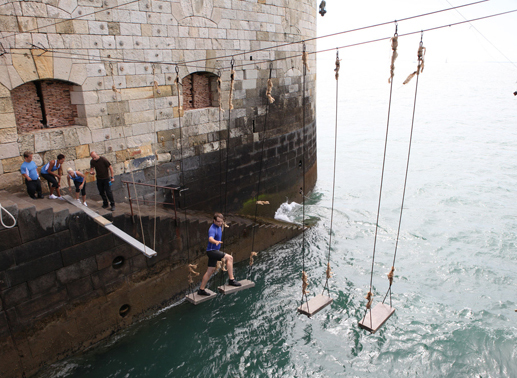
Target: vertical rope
{"type": "Point", "coordinates": [116, 92]}
{"type": "Point", "coordinates": [329, 272]}
{"type": "Point", "coordinates": [182, 184]}
{"type": "Point", "coordinates": [420, 54]}
{"type": "Point", "coordinates": [219, 83]}
{"type": "Point", "coordinates": [369, 296]}
{"type": "Point", "coordinates": [264, 138]}
{"type": "Point", "coordinates": [155, 91]}
{"type": "Point", "coordinates": [302, 189]}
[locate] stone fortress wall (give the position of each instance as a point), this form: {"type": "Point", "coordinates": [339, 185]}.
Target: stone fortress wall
{"type": "Point", "coordinates": [103, 74]}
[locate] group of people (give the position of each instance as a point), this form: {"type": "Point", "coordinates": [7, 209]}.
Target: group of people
{"type": "Point", "coordinates": [53, 171]}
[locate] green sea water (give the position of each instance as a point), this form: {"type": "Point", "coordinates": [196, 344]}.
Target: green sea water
{"type": "Point", "coordinates": [455, 278]}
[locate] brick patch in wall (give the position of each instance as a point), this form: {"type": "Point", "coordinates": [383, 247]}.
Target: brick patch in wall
{"type": "Point", "coordinates": [28, 109]}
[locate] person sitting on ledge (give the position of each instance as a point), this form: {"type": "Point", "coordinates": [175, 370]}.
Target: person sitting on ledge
{"type": "Point", "coordinates": [29, 171]}
{"type": "Point", "coordinates": [79, 182]}
{"type": "Point", "coordinates": [215, 233]}
{"type": "Point", "coordinates": [54, 180]}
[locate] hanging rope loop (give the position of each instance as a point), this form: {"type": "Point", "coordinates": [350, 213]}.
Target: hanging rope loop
{"type": "Point", "coordinates": [338, 64]}
{"type": "Point", "coordinates": [8, 213]}
{"type": "Point", "coordinates": [329, 271]}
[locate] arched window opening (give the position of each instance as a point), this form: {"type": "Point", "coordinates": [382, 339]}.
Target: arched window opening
{"type": "Point", "coordinates": [200, 90]}
{"type": "Point", "coordinates": [43, 104]}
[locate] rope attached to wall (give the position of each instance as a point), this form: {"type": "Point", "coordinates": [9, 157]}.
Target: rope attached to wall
{"type": "Point", "coordinates": [8, 213]}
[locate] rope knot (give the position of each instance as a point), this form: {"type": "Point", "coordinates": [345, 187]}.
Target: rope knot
{"type": "Point", "coordinates": [305, 283]}
{"type": "Point", "coordinates": [305, 56]}
{"type": "Point", "coordinates": [394, 46]}
{"type": "Point", "coordinates": [329, 271]}
{"type": "Point", "coordinates": [390, 275]}
{"type": "Point", "coordinates": [420, 66]}
{"type": "Point", "coordinates": [232, 77]}
{"type": "Point", "coordinates": [338, 66]}
{"type": "Point", "coordinates": [253, 254]}
{"type": "Point", "coordinates": [369, 297]}
{"type": "Point", "coordinates": [268, 92]}
{"type": "Point", "coordinates": [191, 272]}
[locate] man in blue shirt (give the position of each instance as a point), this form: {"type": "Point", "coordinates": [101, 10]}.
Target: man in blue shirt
{"type": "Point", "coordinates": [29, 171]}
{"type": "Point", "coordinates": [215, 233]}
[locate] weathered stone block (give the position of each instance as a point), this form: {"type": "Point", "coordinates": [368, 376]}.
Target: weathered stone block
{"type": "Point", "coordinates": [109, 275]}
{"type": "Point", "coordinates": [47, 303]}
{"type": "Point", "coordinates": [6, 105]}
{"type": "Point", "coordinates": [6, 256]}
{"type": "Point", "coordinates": [79, 287]}
{"type": "Point", "coordinates": [87, 249]}
{"type": "Point", "coordinates": [43, 283]}
{"type": "Point", "coordinates": [42, 247]}
{"type": "Point", "coordinates": [82, 152]}
{"type": "Point", "coordinates": [105, 260]}
{"type": "Point", "coordinates": [16, 295]}
{"type": "Point", "coordinates": [9, 150]}
{"type": "Point", "coordinates": [78, 270]}
{"type": "Point", "coordinates": [34, 269]}
{"type": "Point", "coordinates": [65, 27]}
{"type": "Point", "coordinates": [12, 164]}
{"type": "Point", "coordinates": [10, 180]}
{"type": "Point", "coordinates": [34, 225]}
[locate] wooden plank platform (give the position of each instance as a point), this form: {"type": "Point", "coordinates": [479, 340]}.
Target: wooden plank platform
{"type": "Point", "coordinates": [196, 299]}
{"type": "Point", "coordinates": [317, 303]}
{"type": "Point", "coordinates": [148, 252]}
{"type": "Point", "coordinates": [227, 289]}
{"type": "Point", "coordinates": [375, 318]}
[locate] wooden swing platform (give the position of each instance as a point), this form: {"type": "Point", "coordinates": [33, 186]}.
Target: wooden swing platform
{"type": "Point", "coordinates": [196, 299]}
{"type": "Point", "coordinates": [317, 303]}
{"type": "Point", "coordinates": [148, 252]}
{"type": "Point", "coordinates": [376, 317]}
{"type": "Point", "coordinates": [227, 289]}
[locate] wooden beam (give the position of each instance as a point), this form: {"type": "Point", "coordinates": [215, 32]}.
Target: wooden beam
{"type": "Point", "coordinates": [196, 299]}
{"type": "Point", "coordinates": [376, 317]}
{"type": "Point", "coordinates": [315, 304]}
{"type": "Point", "coordinates": [227, 289]}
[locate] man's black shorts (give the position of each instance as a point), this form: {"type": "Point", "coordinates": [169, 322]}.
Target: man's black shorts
{"type": "Point", "coordinates": [213, 257]}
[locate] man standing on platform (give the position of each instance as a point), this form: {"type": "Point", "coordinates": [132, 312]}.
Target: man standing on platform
{"type": "Point", "coordinates": [215, 233]}
{"type": "Point", "coordinates": [29, 171]}
{"type": "Point", "coordinates": [105, 177]}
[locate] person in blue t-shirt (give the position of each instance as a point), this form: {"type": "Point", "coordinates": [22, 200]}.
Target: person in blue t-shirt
{"type": "Point", "coordinates": [215, 233]}
{"type": "Point", "coordinates": [29, 171]}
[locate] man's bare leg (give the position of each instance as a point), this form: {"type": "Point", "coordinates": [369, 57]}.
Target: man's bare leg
{"type": "Point", "coordinates": [229, 265]}
{"type": "Point", "coordinates": [206, 277]}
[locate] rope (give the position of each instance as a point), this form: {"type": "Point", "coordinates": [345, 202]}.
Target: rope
{"type": "Point", "coordinates": [264, 138]}
{"type": "Point", "coordinates": [232, 79]}
{"type": "Point", "coordinates": [129, 164]}
{"type": "Point", "coordinates": [8, 213]}
{"type": "Point", "coordinates": [394, 46]}
{"type": "Point", "coordinates": [191, 271]}
{"type": "Point", "coordinates": [302, 189]}
{"type": "Point", "coordinates": [369, 297]}
{"type": "Point", "coordinates": [420, 64]}
{"type": "Point", "coordinates": [329, 272]}
{"type": "Point", "coordinates": [182, 174]}
{"type": "Point", "coordinates": [156, 90]}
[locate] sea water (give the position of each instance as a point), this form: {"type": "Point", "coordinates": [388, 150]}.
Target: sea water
{"type": "Point", "coordinates": [456, 263]}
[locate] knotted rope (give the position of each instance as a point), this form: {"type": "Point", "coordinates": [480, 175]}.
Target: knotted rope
{"type": "Point", "coordinates": [305, 56]}
{"type": "Point", "coordinates": [420, 67]}
{"type": "Point", "coordinates": [268, 92]}
{"type": "Point", "coordinates": [191, 268]}
{"type": "Point", "coordinates": [305, 283]}
{"type": "Point", "coordinates": [329, 271]}
{"type": "Point", "coordinates": [394, 55]}
{"type": "Point", "coordinates": [338, 66]}
{"type": "Point", "coordinates": [219, 83]}
{"type": "Point", "coordinates": [252, 255]}
{"type": "Point", "coordinates": [262, 202]}
{"type": "Point", "coordinates": [232, 82]}
{"type": "Point", "coordinates": [390, 275]}
{"type": "Point", "coordinates": [369, 297]}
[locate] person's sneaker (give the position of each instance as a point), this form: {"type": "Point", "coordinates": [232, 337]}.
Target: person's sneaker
{"type": "Point", "coordinates": [78, 200]}
{"type": "Point", "coordinates": [84, 203]}
{"type": "Point", "coordinates": [52, 196]}
{"type": "Point", "coordinates": [202, 292]}
{"type": "Point", "coordinates": [105, 206]}
{"type": "Point", "coordinates": [234, 283]}
{"type": "Point", "coordinates": [60, 198]}
{"type": "Point", "coordinates": [112, 208]}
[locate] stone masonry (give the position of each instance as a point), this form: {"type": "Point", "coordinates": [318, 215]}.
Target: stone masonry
{"type": "Point", "coordinates": [120, 64]}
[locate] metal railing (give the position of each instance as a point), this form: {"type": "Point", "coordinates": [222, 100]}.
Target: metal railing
{"type": "Point", "coordinates": [171, 188]}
